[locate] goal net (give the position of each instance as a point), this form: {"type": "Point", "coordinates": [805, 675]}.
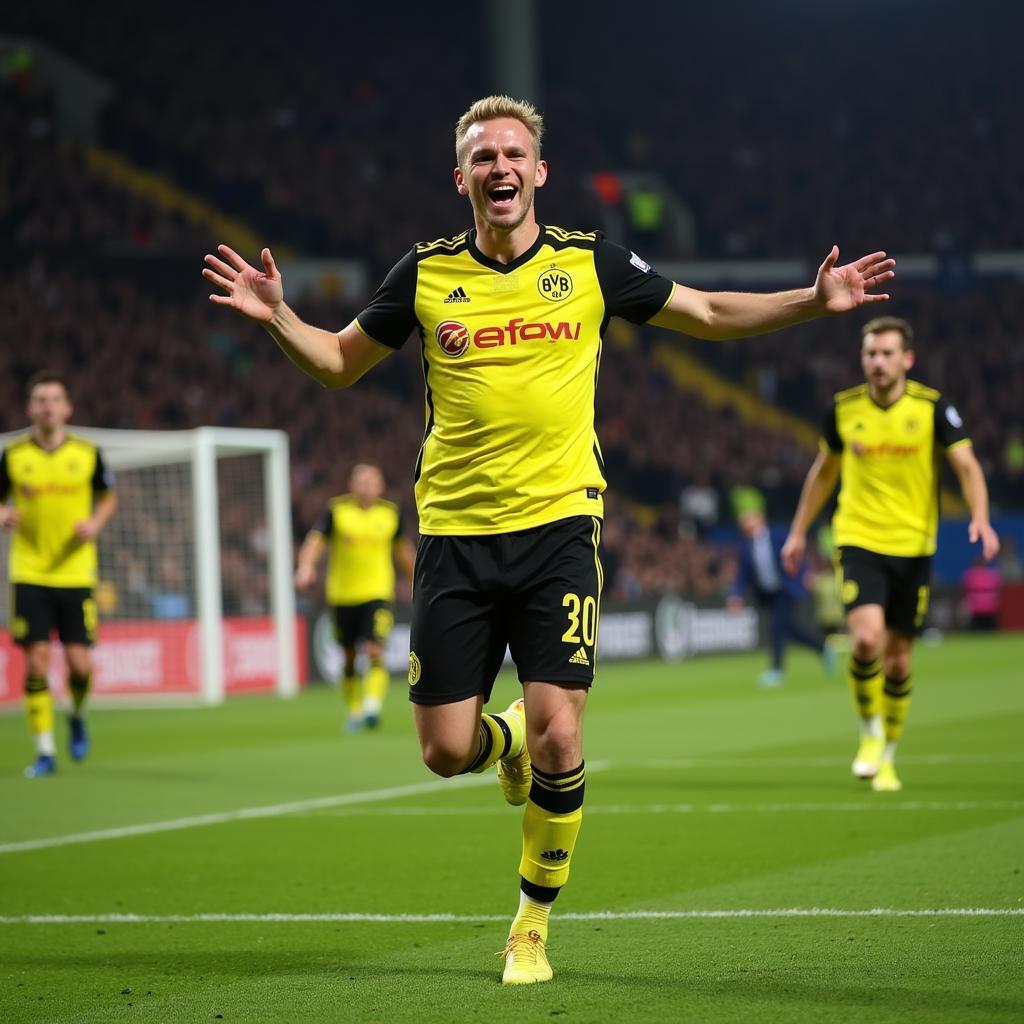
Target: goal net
{"type": "Point", "coordinates": [195, 594]}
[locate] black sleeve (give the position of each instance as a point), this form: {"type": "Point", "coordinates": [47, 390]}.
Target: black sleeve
{"type": "Point", "coordinates": [830, 432]}
{"type": "Point", "coordinates": [631, 288]}
{"type": "Point", "coordinates": [390, 316]}
{"type": "Point", "coordinates": [325, 524]}
{"type": "Point", "coordinates": [102, 478]}
{"type": "Point", "coordinates": [5, 477]}
{"type": "Point", "coordinates": [949, 427]}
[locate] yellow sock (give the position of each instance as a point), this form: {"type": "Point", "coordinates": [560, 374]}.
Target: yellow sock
{"type": "Point", "coordinates": [532, 916]}
{"type": "Point", "coordinates": [896, 703]}
{"type": "Point", "coordinates": [501, 735]}
{"type": "Point", "coordinates": [79, 687]}
{"type": "Point", "coordinates": [39, 711]}
{"type": "Point", "coordinates": [865, 679]}
{"type": "Point", "coordinates": [375, 687]}
{"type": "Point", "coordinates": [551, 824]}
{"type": "Point", "coordinates": [352, 694]}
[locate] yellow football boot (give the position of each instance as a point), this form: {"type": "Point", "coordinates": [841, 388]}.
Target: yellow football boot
{"type": "Point", "coordinates": [869, 757]}
{"type": "Point", "coordinates": [526, 960]}
{"type": "Point", "coordinates": [515, 773]}
{"type": "Point", "coordinates": [885, 780]}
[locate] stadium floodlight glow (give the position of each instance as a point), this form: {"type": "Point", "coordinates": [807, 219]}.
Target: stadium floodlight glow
{"type": "Point", "coordinates": [196, 594]}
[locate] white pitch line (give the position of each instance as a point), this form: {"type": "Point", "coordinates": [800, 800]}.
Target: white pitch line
{"type": "Point", "coordinates": [780, 808]}
{"type": "Point", "coordinates": [245, 814]}
{"type": "Point", "coordinates": [596, 915]}
{"type": "Point", "coordinates": [711, 761]}
{"type": "Point", "coordinates": [269, 811]}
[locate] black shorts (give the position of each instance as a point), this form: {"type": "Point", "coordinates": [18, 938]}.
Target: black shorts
{"type": "Point", "coordinates": [36, 611]}
{"type": "Point", "coordinates": [355, 623]}
{"type": "Point", "coordinates": [899, 585]}
{"type": "Point", "coordinates": [536, 592]}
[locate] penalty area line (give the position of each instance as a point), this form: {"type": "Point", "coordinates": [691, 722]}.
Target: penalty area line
{"type": "Point", "coordinates": [595, 915]}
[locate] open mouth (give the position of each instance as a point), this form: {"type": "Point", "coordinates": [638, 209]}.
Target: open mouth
{"type": "Point", "coordinates": [502, 196]}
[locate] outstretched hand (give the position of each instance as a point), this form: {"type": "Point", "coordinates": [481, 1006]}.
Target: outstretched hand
{"type": "Point", "coordinates": [839, 289]}
{"type": "Point", "coordinates": [254, 293]}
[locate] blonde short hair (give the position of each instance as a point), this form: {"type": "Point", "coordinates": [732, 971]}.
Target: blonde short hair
{"type": "Point", "coordinates": [493, 107]}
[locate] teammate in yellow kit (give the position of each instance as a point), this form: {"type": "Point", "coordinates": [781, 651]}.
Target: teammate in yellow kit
{"type": "Point", "coordinates": [363, 534]}
{"type": "Point", "coordinates": [62, 497]}
{"type": "Point", "coordinates": [510, 316]}
{"type": "Point", "coordinates": [885, 438]}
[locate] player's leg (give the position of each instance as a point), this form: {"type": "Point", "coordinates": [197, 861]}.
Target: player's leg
{"type": "Point", "coordinates": [39, 708]}
{"type": "Point", "coordinates": [346, 619]}
{"type": "Point", "coordinates": [31, 623]}
{"type": "Point", "coordinates": [80, 669]}
{"type": "Point", "coordinates": [866, 625]}
{"type": "Point", "coordinates": [896, 704]}
{"type": "Point", "coordinates": [457, 737]}
{"type": "Point", "coordinates": [904, 616]}
{"type": "Point", "coordinates": [375, 682]}
{"type": "Point", "coordinates": [457, 641]}
{"type": "Point", "coordinates": [553, 640]}
{"type": "Point", "coordinates": [76, 620]}
{"type": "Point", "coordinates": [863, 587]}
{"type": "Point", "coordinates": [551, 821]}
{"type": "Point", "coordinates": [777, 629]}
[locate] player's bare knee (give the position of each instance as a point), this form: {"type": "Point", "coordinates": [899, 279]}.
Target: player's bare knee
{"type": "Point", "coordinates": [443, 759]}
{"type": "Point", "coordinates": [867, 642]}
{"type": "Point", "coordinates": [897, 667]}
{"type": "Point", "coordinates": [556, 747]}
{"type": "Point", "coordinates": [37, 659]}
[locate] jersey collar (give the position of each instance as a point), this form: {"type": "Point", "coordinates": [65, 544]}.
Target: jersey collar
{"type": "Point", "coordinates": [506, 268]}
{"type": "Point", "coordinates": [48, 451]}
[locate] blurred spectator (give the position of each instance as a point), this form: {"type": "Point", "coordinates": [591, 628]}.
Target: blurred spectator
{"type": "Point", "coordinates": [982, 584]}
{"type": "Point", "coordinates": [761, 577]}
{"type": "Point", "coordinates": [698, 506]}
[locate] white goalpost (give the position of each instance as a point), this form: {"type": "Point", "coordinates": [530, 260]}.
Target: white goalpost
{"type": "Point", "coordinates": [195, 594]}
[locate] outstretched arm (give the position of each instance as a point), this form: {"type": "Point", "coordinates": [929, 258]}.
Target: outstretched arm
{"type": "Point", "coordinates": [972, 484]}
{"type": "Point", "coordinates": [336, 360]}
{"type": "Point", "coordinates": [721, 316]}
{"type": "Point", "coordinates": [818, 485]}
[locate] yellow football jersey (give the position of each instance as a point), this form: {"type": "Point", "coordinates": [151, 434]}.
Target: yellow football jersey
{"type": "Point", "coordinates": [53, 490]}
{"type": "Point", "coordinates": [890, 467]}
{"type": "Point", "coordinates": [360, 563]}
{"type": "Point", "coordinates": [510, 362]}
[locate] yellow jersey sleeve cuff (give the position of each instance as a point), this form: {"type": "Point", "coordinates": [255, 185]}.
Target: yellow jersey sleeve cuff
{"type": "Point", "coordinates": [366, 333]}
{"type": "Point", "coordinates": [664, 305]}
{"type": "Point", "coordinates": [962, 443]}
{"type": "Point", "coordinates": [825, 447]}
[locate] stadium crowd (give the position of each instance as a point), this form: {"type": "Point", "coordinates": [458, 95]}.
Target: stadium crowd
{"type": "Point", "coordinates": [317, 164]}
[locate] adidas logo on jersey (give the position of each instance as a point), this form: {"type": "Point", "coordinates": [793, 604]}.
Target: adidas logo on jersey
{"type": "Point", "coordinates": [579, 658]}
{"type": "Point", "coordinates": [555, 855]}
{"type": "Point", "coordinates": [458, 295]}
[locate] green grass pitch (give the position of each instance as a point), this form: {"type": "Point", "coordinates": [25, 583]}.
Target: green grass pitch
{"type": "Point", "coordinates": [704, 794]}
